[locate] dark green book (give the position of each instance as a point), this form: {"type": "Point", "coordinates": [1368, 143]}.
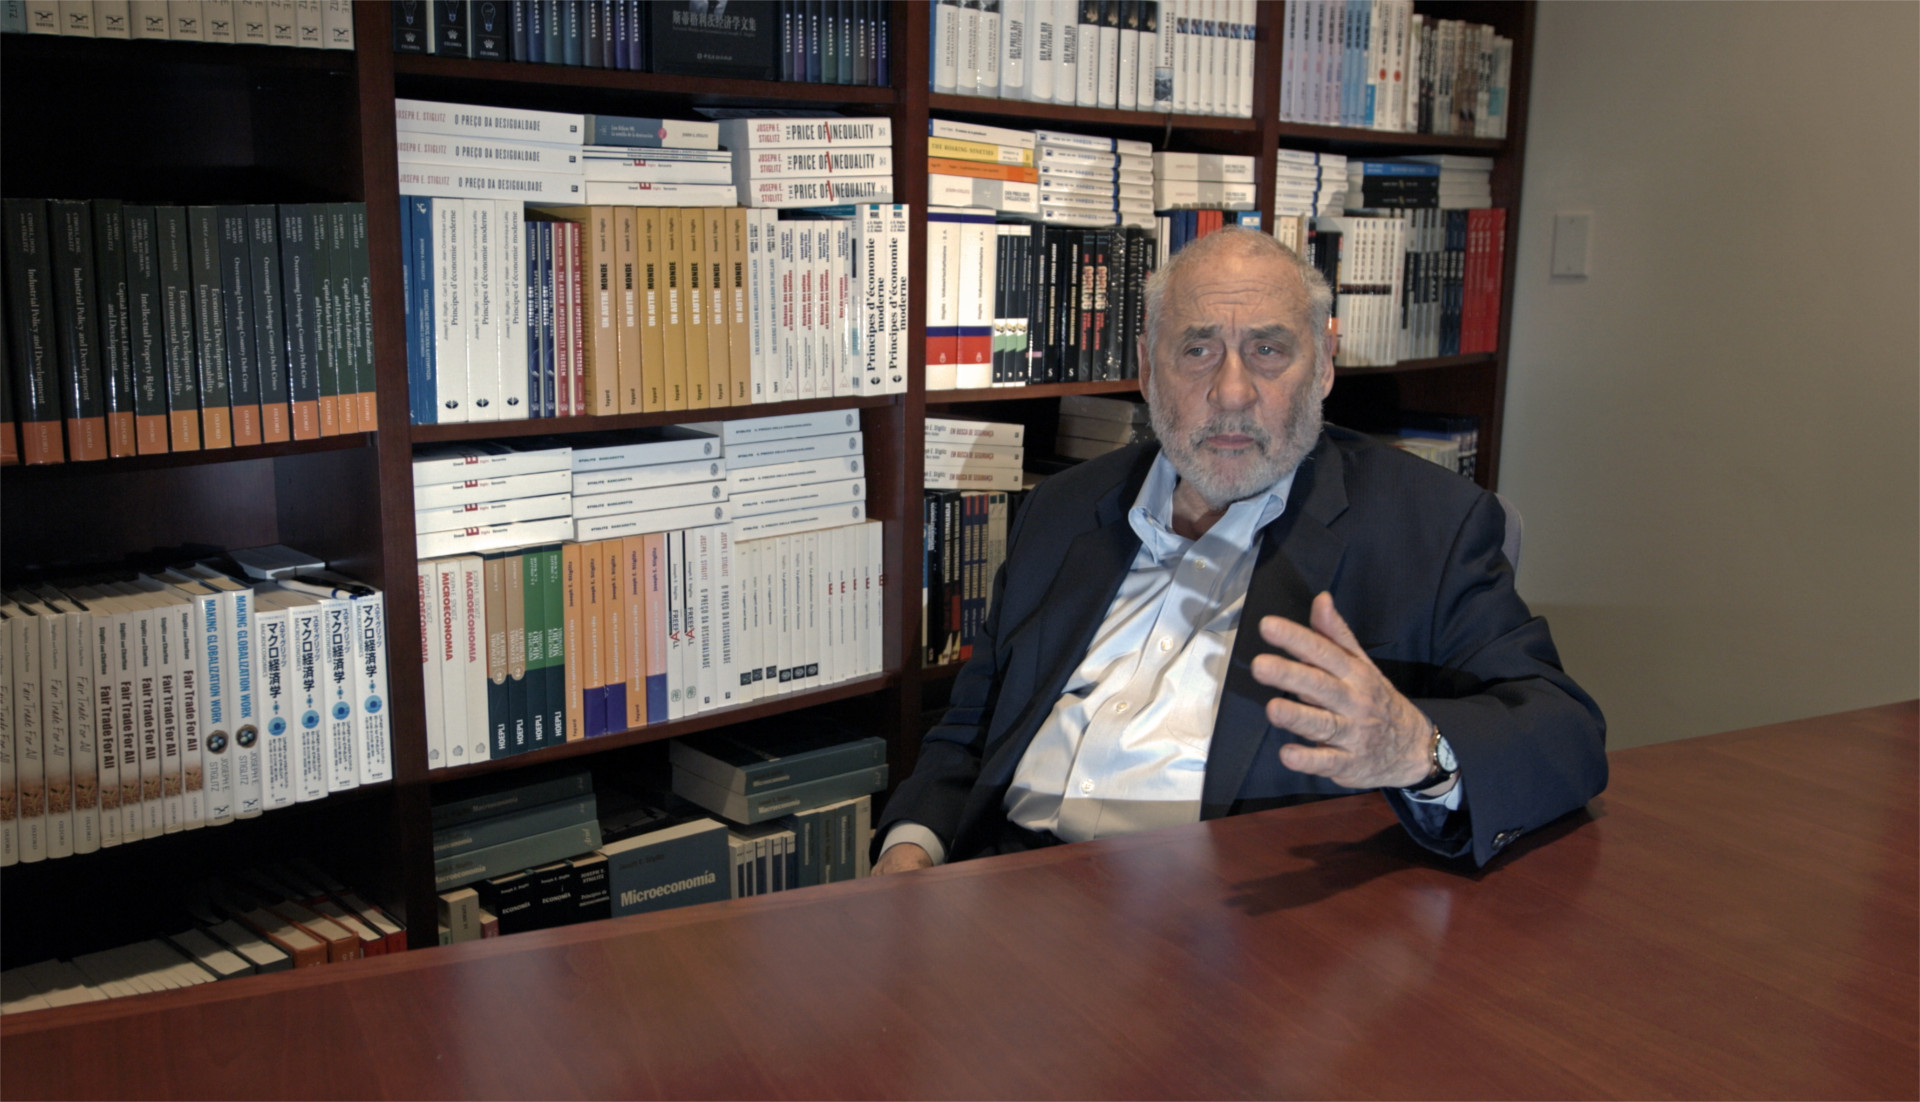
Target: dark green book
{"type": "Point", "coordinates": [506, 801]}
{"type": "Point", "coordinates": [556, 645]}
{"type": "Point", "coordinates": [534, 589]}
{"type": "Point", "coordinates": [758, 756]}
{"type": "Point", "coordinates": [269, 324]}
{"type": "Point", "coordinates": [772, 803]}
{"type": "Point", "coordinates": [173, 259]}
{"type": "Point", "coordinates": [30, 324]}
{"type": "Point", "coordinates": [360, 335]}
{"type": "Point", "coordinates": [209, 327]}
{"type": "Point", "coordinates": [236, 297]}
{"type": "Point", "coordinates": [346, 345]}
{"type": "Point", "coordinates": [320, 294]}
{"type": "Point", "coordinates": [146, 332]}
{"type": "Point", "coordinates": [499, 719]}
{"type": "Point", "coordinates": [519, 823]}
{"type": "Point", "coordinates": [111, 294]}
{"type": "Point", "coordinates": [76, 326]}
{"type": "Point", "coordinates": [514, 565]}
{"type": "Point", "coordinates": [302, 327]}
{"type": "Point", "coordinates": [521, 853]}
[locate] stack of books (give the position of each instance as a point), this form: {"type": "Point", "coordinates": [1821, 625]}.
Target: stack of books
{"type": "Point", "coordinates": [1186, 56]}
{"type": "Point", "coordinates": [973, 455]}
{"type": "Point", "coordinates": [472, 498]}
{"type": "Point", "coordinates": [493, 837]}
{"type": "Point", "coordinates": [180, 699]}
{"type": "Point", "coordinates": [1378, 64]}
{"type": "Point", "coordinates": [797, 800]}
{"type": "Point", "coordinates": [651, 480]}
{"type": "Point", "coordinates": [1197, 193]}
{"type": "Point", "coordinates": [974, 480]}
{"type": "Point", "coordinates": [974, 165]}
{"type": "Point", "coordinates": [1092, 426]}
{"type": "Point", "coordinates": [1448, 181]}
{"type": "Point", "coordinates": [136, 330]}
{"type": "Point", "coordinates": [1094, 181]}
{"type": "Point", "coordinates": [313, 25]}
{"type": "Point", "coordinates": [1305, 186]}
{"type": "Point", "coordinates": [264, 920]}
{"type": "Point", "coordinates": [782, 161]}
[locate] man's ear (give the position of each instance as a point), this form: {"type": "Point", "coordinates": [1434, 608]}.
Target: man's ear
{"type": "Point", "coordinates": [1146, 365]}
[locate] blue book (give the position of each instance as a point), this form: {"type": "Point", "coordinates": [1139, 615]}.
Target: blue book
{"type": "Point", "coordinates": [410, 25]}
{"type": "Point", "coordinates": [487, 29]}
{"type": "Point", "coordinates": [592, 44]}
{"type": "Point", "coordinates": [573, 40]}
{"type": "Point", "coordinates": [424, 387]}
{"type": "Point", "coordinates": [617, 38]}
{"type": "Point", "coordinates": [517, 23]}
{"type": "Point", "coordinates": [540, 819]}
{"type": "Point", "coordinates": [1395, 168]}
{"type": "Point", "coordinates": [539, 18]}
{"type": "Point", "coordinates": [450, 28]}
{"type": "Point", "coordinates": [883, 48]}
{"type": "Point", "coordinates": [673, 867]}
{"type": "Point", "coordinates": [490, 805]}
{"type": "Point", "coordinates": [753, 758]}
{"type": "Point", "coordinates": [555, 42]}
{"type": "Point", "coordinates": [521, 853]}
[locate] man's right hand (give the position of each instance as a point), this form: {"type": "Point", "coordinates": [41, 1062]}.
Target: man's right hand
{"type": "Point", "coordinates": [904, 857]}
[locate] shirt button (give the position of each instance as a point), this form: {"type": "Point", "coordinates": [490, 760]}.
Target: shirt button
{"type": "Point", "coordinates": [1166, 644]}
{"type": "Point", "coordinates": [1086, 786]}
{"type": "Point", "coordinates": [1121, 708]}
{"type": "Point", "coordinates": [1199, 564]}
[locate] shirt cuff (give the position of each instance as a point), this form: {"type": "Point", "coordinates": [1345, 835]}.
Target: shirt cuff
{"type": "Point", "coordinates": [1450, 800]}
{"type": "Point", "coordinates": [922, 837]}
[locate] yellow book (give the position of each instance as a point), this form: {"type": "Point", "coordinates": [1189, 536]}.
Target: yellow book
{"type": "Point", "coordinates": [652, 288]}
{"type": "Point", "coordinates": [673, 323]}
{"type": "Point", "coordinates": [739, 337]}
{"type": "Point", "coordinates": [961, 150]}
{"type": "Point", "coordinates": [693, 253]}
{"type": "Point", "coordinates": [719, 360]}
{"type": "Point", "coordinates": [627, 294]}
{"type": "Point", "coordinates": [570, 596]}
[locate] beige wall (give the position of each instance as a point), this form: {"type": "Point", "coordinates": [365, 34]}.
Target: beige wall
{"type": "Point", "coordinates": [1713, 436]}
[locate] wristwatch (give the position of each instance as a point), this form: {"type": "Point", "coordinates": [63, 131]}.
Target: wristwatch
{"type": "Point", "coordinates": [1444, 764]}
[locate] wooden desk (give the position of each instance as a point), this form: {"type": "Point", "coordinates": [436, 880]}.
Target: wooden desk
{"type": "Point", "coordinates": [1736, 917]}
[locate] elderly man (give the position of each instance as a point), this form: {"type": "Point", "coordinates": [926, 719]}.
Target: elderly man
{"type": "Point", "coordinates": [1259, 611]}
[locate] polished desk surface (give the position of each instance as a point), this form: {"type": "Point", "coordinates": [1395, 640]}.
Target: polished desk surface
{"type": "Point", "coordinates": [1735, 917]}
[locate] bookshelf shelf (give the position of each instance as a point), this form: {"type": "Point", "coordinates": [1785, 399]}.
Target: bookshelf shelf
{"type": "Point", "coordinates": [423, 73]}
{"type": "Point", "coordinates": [1360, 138]}
{"type": "Point", "coordinates": [106, 51]}
{"type": "Point", "coordinates": [173, 460]}
{"type": "Point", "coordinates": [560, 426]}
{"type": "Point", "coordinates": [660, 732]}
{"type": "Point", "coordinates": [1433, 363]}
{"type": "Point", "coordinates": [1037, 390]}
{"type": "Point", "coordinates": [1101, 118]}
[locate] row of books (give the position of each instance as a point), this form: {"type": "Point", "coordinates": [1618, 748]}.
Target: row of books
{"type": "Point", "coordinates": [1450, 440]}
{"type": "Point", "coordinates": [468, 151]}
{"type": "Point", "coordinates": [1413, 284]}
{"type": "Point", "coordinates": [1091, 426]}
{"type": "Point", "coordinates": [973, 455]}
{"type": "Point", "coordinates": [1183, 56]}
{"type": "Point", "coordinates": [137, 329]}
{"type": "Point", "coordinates": [1177, 229]}
{"type": "Point", "coordinates": [311, 24]}
{"type": "Point", "coordinates": [964, 542]}
{"type": "Point", "coordinates": [262, 920]}
{"type": "Point", "coordinates": [1069, 301]}
{"type": "Point", "coordinates": [814, 41]}
{"type": "Point", "coordinates": [1380, 65]}
{"type": "Point", "coordinates": [182, 699]}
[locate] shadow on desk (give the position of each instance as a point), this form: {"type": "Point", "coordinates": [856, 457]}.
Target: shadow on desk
{"type": "Point", "coordinates": [1335, 867]}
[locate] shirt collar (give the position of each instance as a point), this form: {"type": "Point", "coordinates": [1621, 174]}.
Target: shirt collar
{"type": "Point", "coordinates": [1152, 512]}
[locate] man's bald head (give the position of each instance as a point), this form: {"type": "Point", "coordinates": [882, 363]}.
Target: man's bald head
{"type": "Point", "coordinates": [1242, 242]}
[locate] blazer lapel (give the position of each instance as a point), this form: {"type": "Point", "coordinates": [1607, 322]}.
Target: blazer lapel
{"type": "Point", "coordinates": [1299, 558]}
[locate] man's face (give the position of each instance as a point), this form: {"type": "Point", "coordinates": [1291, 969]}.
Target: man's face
{"type": "Point", "coordinates": [1231, 381]}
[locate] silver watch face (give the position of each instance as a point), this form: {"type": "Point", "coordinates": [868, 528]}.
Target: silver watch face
{"type": "Point", "coordinates": [1443, 752]}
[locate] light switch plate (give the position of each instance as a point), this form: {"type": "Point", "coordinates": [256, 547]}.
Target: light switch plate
{"type": "Point", "coordinates": [1570, 234]}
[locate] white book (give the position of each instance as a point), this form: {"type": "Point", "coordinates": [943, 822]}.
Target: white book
{"type": "Point", "coordinates": [144, 664]}
{"type": "Point", "coordinates": [492, 537]}
{"type": "Point", "coordinates": [147, 19]}
{"type": "Point", "coordinates": [1016, 29]}
{"type": "Point", "coordinates": [642, 499]}
{"type": "Point", "coordinates": [510, 313]}
{"type": "Point", "coordinates": [630, 479]}
{"type": "Point", "coordinates": [798, 521]}
{"type": "Point", "coordinates": [56, 659]}
{"type": "Point", "coordinates": [759, 280]}
{"type": "Point", "coordinates": [784, 132]}
{"type": "Point", "coordinates": [1045, 51]}
{"type": "Point", "coordinates": [883, 242]}
{"type": "Point", "coordinates": [111, 19]}
{"type": "Point", "coordinates": [629, 193]}
{"type": "Point", "coordinates": [336, 696]}
{"type": "Point", "coordinates": [460, 463]}
{"type": "Point", "coordinates": [451, 495]}
{"type": "Point", "coordinates": [979, 132]}
{"type": "Point", "coordinates": [671, 445]}
{"type": "Point", "coordinates": [985, 455]}
{"type": "Point", "coordinates": [477, 513]}
{"type": "Point", "coordinates": [746, 585]}
{"type": "Point", "coordinates": [83, 723]}
{"type": "Point", "coordinates": [985, 432]}
{"type": "Point", "coordinates": [646, 170]}
{"type": "Point", "coordinates": [1187, 194]}
{"type": "Point", "coordinates": [1087, 77]}
{"type": "Point", "coordinates": [475, 121]}
{"type": "Point", "coordinates": [944, 476]}
{"type": "Point", "coordinates": [810, 496]}
{"type": "Point", "coordinates": [988, 49]}
{"type": "Point", "coordinates": [481, 288]}
{"type": "Point", "coordinates": [785, 193]}
{"type": "Point", "coordinates": [676, 576]}
{"type": "Point", "coordinates": [29, 749]}
{"type": "Point", "coordinates": [703, 565]}
{"type": "Point", "coordinates": [282, 23]}
{"type": "Point", "coordinates": [201, 769]}
{"type": "Point", "coordinates": [966, 69]}
{"type": "Point", "coordinates": [763, 453]}
{"type": "Point", "coordinates": [784, 426]}
{"type": "Point", "coordinates": [824, 546]}
{"type": "Point", "coordinates": [842, 333]}
{"type": "Point", "coordinates": [237, 633]}
{"type": "Point", "coordinates": [943, 297]}
{"type": "Point", "coordinates": [806, 368]}
{"type": "Point", "coordinates": [182, 792]}
{"type": "Point", "coordinates": [373, 740]}
{"type": "Point", "coordinates": [184, 21]}
{"type": "Point", "coordinates": [450, 306]}
{"type": "Point", "coordinates": [649, 521]}
{"type": "Point", "coordinates": [809, 640]}
{"type": "Point", "coordinates": [1128, 90]}
{"type": "Point", "coordinates": [1000, 196]}
{"type": "Point", "coordinates": [1066, 54]}
{"type": "Point", "coordinates": [217, 18]}
{"type": "Point", "coordinates": [1249, 30]}
{"type": "Point", "coordinates": [977, 283]}
{"type": "Point", "coordinates": [454, 182]}
{"type": "Point", "coordinates": [471, 742]}
{"type": "Point", "coordinates": [418, 147]}
{"type": "Point", "coordinates": [785, 607]}
{"type": "Point", "coordinates": [825, 339]}
{"type": "Point", "coordinates": [782, 475]}
{"type": "Point", "coordinates": [1216, 167]}
{"type": "Point", "coordinates": [279, 722]}
{"type": "Point", "coordinates": [436, 647]}
{"type": "Point", "coordinates": [1107, 91]}
{"type": "Point", "coordinates": [336, 24]}
{"type": "Point", "coordinates": [725, 634]}
{"type": "Point", "coordinates": [784, 376]}
{"type": "Point", "coordinates": [946, 46]}
{"type": "Point", "coordinates": [309, 24]}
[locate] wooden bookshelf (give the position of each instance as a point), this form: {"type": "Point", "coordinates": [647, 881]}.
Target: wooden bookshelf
{"type": "Point", "coordinates": [193, 123]}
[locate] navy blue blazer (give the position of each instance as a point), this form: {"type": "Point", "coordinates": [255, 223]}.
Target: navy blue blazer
{"type": "Point", "coordinates": [1412, 555]}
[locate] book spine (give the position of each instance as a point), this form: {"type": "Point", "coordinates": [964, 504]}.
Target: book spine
{"type": "Point", "coordinates": [340, 323]}
{"type": "Point", "coordinates": [112, 297]}
{"type": "Point", "coordinates": [177, 291]}
{"type": "Point", "coordinates": [236, 296]}
{"type": "Point", "coordinates": [77, 327]}
{"type": "Point", "coordinates": [209, 325]}
{"type": "Point", "coordinates": [302, 326]}
{"type": "Point", "coordinates": [359, 329]}
{"type": "Point", "coordinates": [31, 326]}
{"type": "Point", "coordinates": [268, 334]}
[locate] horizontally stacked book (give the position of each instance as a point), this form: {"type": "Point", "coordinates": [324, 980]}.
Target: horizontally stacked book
{"type": "Point", "coordinates": [1185, 56]}
{"type": "Point", "coordinates": [1091, 426]}
{"type": "Point", "coordinates": [676, 570]}
{"type": "Point", "coordinates": [309, 24]}
{"type": "Point", "coordinates": [974, 483]}
{"type": "Point", "coordinates": [185, 698]}
{"type": "Point", "coordinates": [137, 330]}
{"type": "Point", "coordinates": [1378, 64]}
{"type": "Point", "coordinates": [840, 43]}
{"type": "Point", "coordinates": [266, 919]}
{"type": "Point", "coordinates": [695, 303]}
{"type": "Point", "coordinates": [1197, 193]}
